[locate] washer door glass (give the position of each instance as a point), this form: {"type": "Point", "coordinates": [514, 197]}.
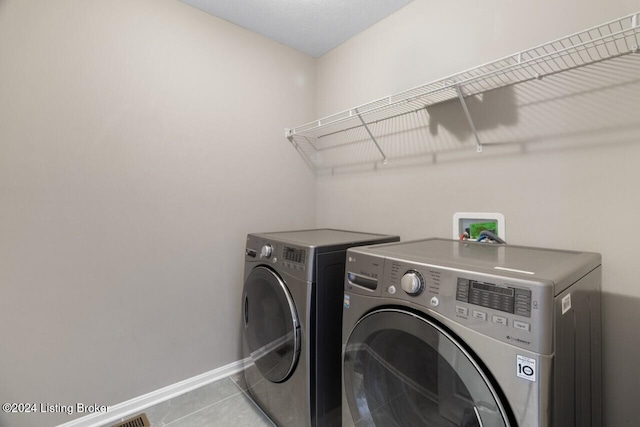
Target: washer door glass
{"type": "Point", "coordinates": [401, 369]}
{"type": "Point", "coordinates": [271, 327]}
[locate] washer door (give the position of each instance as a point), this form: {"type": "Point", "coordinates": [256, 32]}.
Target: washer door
{"type": "Point", "coordinates": [401, 369]}
{"type": "Point", "coordinates": [271, 327]}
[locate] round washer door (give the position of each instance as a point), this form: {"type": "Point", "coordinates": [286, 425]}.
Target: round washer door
{"type": "Point", "coordinates": [271, 327]}
{"type": "Point", "coordinates": [401, 369]}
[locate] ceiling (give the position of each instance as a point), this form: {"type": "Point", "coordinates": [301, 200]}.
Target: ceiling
{"type": "Point", "coordinates": [310, 26]}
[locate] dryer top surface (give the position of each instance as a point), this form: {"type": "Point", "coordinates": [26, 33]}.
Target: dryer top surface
{"type": "Point", "coordinates": [326, 237]}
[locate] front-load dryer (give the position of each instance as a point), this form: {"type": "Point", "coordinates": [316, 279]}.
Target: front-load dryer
{"type": "Point", "coordinates": [463, 334]}
{"type": "Point", "coordinates": [292, 322]}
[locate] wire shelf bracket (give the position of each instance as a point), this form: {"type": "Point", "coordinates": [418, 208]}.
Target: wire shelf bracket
{"type": "Point", "coordinates": [373, 138]}
{"type": "Point", "coordinates": [609, 40]}
{"type": "Point", "coordinates": [468, 116]}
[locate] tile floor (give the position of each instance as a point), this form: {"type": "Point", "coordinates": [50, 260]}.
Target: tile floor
{"type": "Point", "coordinates": [225, 402]}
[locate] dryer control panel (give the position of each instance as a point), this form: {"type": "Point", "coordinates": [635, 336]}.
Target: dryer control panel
{"type": "Point", "coordinates": [284, 257]}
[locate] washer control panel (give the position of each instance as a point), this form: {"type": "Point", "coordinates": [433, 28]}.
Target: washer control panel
{"type": "Point", "coordinates": [488, 295]}
{"type": "Point", "coordinates": [510, 309]}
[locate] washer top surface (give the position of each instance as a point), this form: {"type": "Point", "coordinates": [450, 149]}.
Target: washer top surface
{"type": "Point", "coordinates": [504, 260]}
{"type": "Point", "coordinates": [323, 237]}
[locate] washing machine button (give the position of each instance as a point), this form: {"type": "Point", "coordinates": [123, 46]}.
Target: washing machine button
{"type": "Point", "coordinates": [434, 301]}
{"type": "Point", "coordinates": [463, 311]}
{"type": "Point", "coordinates": [391, 289]}
{"type": "Point", "coordinates": [523, 326]}
{"type": "Point", "coordinates": [480, 315]}
{"type": "Point", "coordinates": [501, 320]}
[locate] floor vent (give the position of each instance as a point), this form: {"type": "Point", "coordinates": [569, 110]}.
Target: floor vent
{"type": "Point", "coordinates": [137, 421]}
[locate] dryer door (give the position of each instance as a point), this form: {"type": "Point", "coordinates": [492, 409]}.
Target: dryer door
{"type": "Point", "coordinates": [271, 326]}
{"type": "Point", "coordinates": [402, 369]}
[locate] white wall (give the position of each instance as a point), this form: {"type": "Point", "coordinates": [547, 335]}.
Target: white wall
{"type": "Point", "coordinates": [569, 182]}
{"type": "Point", "coordinates": [140, 141]}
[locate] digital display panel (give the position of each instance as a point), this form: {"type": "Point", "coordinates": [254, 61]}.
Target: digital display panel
{"type": "Point", "coordinates": [491, 288]}
{"type": "Point", "coordinates": [510, 300]}
{"type": "Point", "coordinates": [294, 255]}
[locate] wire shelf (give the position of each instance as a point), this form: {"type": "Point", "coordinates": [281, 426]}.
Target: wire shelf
{"type": "Point", "coordinates": [609, 40]}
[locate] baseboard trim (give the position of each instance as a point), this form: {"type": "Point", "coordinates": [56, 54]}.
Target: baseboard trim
{"type": "Point", "coordinates": [120, 411]}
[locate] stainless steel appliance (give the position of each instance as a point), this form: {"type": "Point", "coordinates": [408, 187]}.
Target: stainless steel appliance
{"type": "Point", "coordinates": [292, 315]}
{"type": "Point", "coordinates": [450, 333]}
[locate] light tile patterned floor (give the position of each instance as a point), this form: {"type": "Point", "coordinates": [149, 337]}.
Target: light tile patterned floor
{"type": "Point", "coordinates": [219, 404]}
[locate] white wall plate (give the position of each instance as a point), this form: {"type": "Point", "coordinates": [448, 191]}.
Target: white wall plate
{"type": "Point", "coordinates": [461, 220]}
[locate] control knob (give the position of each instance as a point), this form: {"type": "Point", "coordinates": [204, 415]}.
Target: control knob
{"type": "Point", "coordinates": [412, 282]}
{"type": "Point", "coordinates": [266, 251]}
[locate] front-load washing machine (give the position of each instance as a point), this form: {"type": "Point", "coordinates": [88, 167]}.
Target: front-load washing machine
{"type": "Point", "coordinates": [452, 333]}
{"type": "Point", "coordinates": [292, 315]}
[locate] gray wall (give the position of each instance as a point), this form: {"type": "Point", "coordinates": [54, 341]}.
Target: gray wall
{"type": "Point", "coordinates": [140, 141]}
{"type": "Point", "coordinates": [134, 136]}
{"type": "Point", "coordinates": [566, 177]}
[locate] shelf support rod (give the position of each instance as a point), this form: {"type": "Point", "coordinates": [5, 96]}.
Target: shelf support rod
{"type": "Point", "coordinates": [466, 113]}
{"type": "Point", "coordinates": [384, 157]}
{"type": "Point", "coordinates": [634, 24]}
